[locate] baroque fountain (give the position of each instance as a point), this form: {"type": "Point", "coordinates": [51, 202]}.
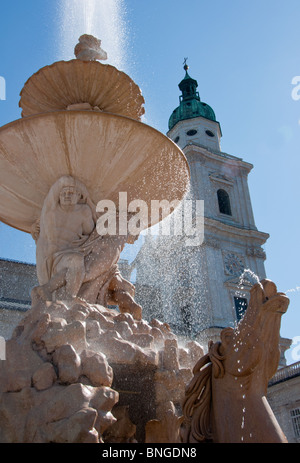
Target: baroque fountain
{"type": "Point", "coordinates": [83, 365]}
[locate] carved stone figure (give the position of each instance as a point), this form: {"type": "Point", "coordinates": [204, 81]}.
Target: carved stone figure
{"type": "Point", "coordinates": [226, 399]}
{"type": "Point", "coordinates": [89, 48]}
{"type": "Point", "coordinates": [123, 430]}
{"type": "Point", "coordinates": [166, 429]}
{"type": "Point", "coordinates": [73, 260]}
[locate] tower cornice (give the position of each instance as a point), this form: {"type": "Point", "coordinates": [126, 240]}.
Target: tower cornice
{"type": "Point", "coordinates": [219, 227]}
{"type": "Point", "coordinates": [215, 155]}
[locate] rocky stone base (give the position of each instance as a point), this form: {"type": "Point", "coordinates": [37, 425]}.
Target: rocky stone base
{"type": "Point", "coordinates": [76, 372]}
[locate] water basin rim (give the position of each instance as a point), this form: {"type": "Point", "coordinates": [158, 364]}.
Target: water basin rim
{"type": "Point", "coordinates": [65, 120]}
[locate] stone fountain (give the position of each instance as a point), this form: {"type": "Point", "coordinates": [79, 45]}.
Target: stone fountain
{"type": "Point", "coordinates": [83, 365]}
{"type": "Point", "coordinates": [72, 359]}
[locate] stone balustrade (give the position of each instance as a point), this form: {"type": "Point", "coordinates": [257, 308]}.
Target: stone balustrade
{"type": "Point", "coordinates": [285, 373]}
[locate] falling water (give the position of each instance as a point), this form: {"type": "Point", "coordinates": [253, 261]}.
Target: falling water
{"type": "Point", "coordinates": [102, 18]}
{"type": "Point", "coordinates": [293, 290]}
{"type": "Point", "coordinates": [246, 279]}
{"type": "Point", "coordinates": [248, 276]}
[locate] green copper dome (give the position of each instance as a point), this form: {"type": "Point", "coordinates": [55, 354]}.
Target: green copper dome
{"type": "Point", "coordinates": [190, 104]}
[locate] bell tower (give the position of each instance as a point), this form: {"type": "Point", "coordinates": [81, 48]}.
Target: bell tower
{"type": "Point", "coordinates": [193, 121]}
{"type": "Point", "coordinates": [198, 290]}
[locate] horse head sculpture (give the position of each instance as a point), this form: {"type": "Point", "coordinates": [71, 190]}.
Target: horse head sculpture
{"type": "Point", "coordinates": [226, 398]}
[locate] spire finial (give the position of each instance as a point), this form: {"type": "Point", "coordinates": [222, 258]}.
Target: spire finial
{"type": "Point", "coordinates": [185, 66]}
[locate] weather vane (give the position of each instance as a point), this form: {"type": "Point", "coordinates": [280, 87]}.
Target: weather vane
{"type": "Point", "coordinates": [185, 66]}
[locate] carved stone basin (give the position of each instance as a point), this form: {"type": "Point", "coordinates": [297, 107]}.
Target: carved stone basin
{"type": "Point", "coordinates": [109, 153]}
{"type": "Point", "coordinates": [64, 83]}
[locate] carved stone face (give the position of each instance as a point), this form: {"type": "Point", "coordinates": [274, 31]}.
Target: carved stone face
{"type": "Point", "coordinates": [69, 196]}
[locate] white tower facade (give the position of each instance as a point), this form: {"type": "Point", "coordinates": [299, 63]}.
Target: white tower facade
{"type": "Point", "coordinates": [197, 289]}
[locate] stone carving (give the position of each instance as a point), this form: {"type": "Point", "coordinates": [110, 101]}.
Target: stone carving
{"type": "Point", "coordinates": [58, 381]}
{"type": "Point", "coordinates": [233, 263]}
{"type": "Point", "coordinates": [82, 84]}
{"type": "Point", "coordinates": [90, 84]}
{"type": "Point", "coordinates": [226, 399]}
{"type": "Point", "coordinates": [123, 430]}
{"type": "Point", "coordinates": [170, 381]}
{"type": "Point", "coordinates": [89, 48]}
{"type": "Point", "coordinates": [256, 252]}
{"type": "Point", "coordinates": [165, 429]}
{"type": "Point", "coordinates": [72, 259]}
{"type": "Point", "coordinates": [108, 153]}
{"type": "Point", "coordinates": [54, 386]}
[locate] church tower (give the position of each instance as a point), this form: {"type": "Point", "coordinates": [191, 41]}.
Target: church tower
{"type": "Point", "coordinates": [197, 289]}
{"type": "Point", "coordinates": [193, 121]}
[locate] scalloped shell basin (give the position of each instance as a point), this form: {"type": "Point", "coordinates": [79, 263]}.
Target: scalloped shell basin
{"type": "Point", "coordinates": [63, 83]}
{"type": "Point", "coordinates": [109, 153]}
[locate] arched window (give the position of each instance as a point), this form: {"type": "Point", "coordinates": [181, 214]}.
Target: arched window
{"type": "Point", "coordinates": [241, 305]}
{"type": "Point", "coordinates": [224, 202]}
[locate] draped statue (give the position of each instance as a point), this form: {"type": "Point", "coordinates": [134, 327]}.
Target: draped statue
{"type": "Point", "coordinates": [73, 260]}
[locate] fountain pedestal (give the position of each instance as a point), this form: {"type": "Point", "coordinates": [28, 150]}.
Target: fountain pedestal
{"type": "Point", "coordinates": [70, 365]}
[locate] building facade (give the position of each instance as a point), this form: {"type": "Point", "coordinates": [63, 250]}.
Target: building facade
{"type": "Point", "coordinates": [284, 399]}
{"type": "Point", "coordinates": [201, 289]}
{"type": "Point", "coordinates": [198, 288]}
{"type": "Point", "coordinates": [16, 282]}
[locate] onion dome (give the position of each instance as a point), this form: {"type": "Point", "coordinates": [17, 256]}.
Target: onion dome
{"type": "Point", "coordinates": [190, 105]}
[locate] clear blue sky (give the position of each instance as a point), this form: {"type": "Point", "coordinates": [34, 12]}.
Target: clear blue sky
{"type": "Point", "coordinates": [243, 55]}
